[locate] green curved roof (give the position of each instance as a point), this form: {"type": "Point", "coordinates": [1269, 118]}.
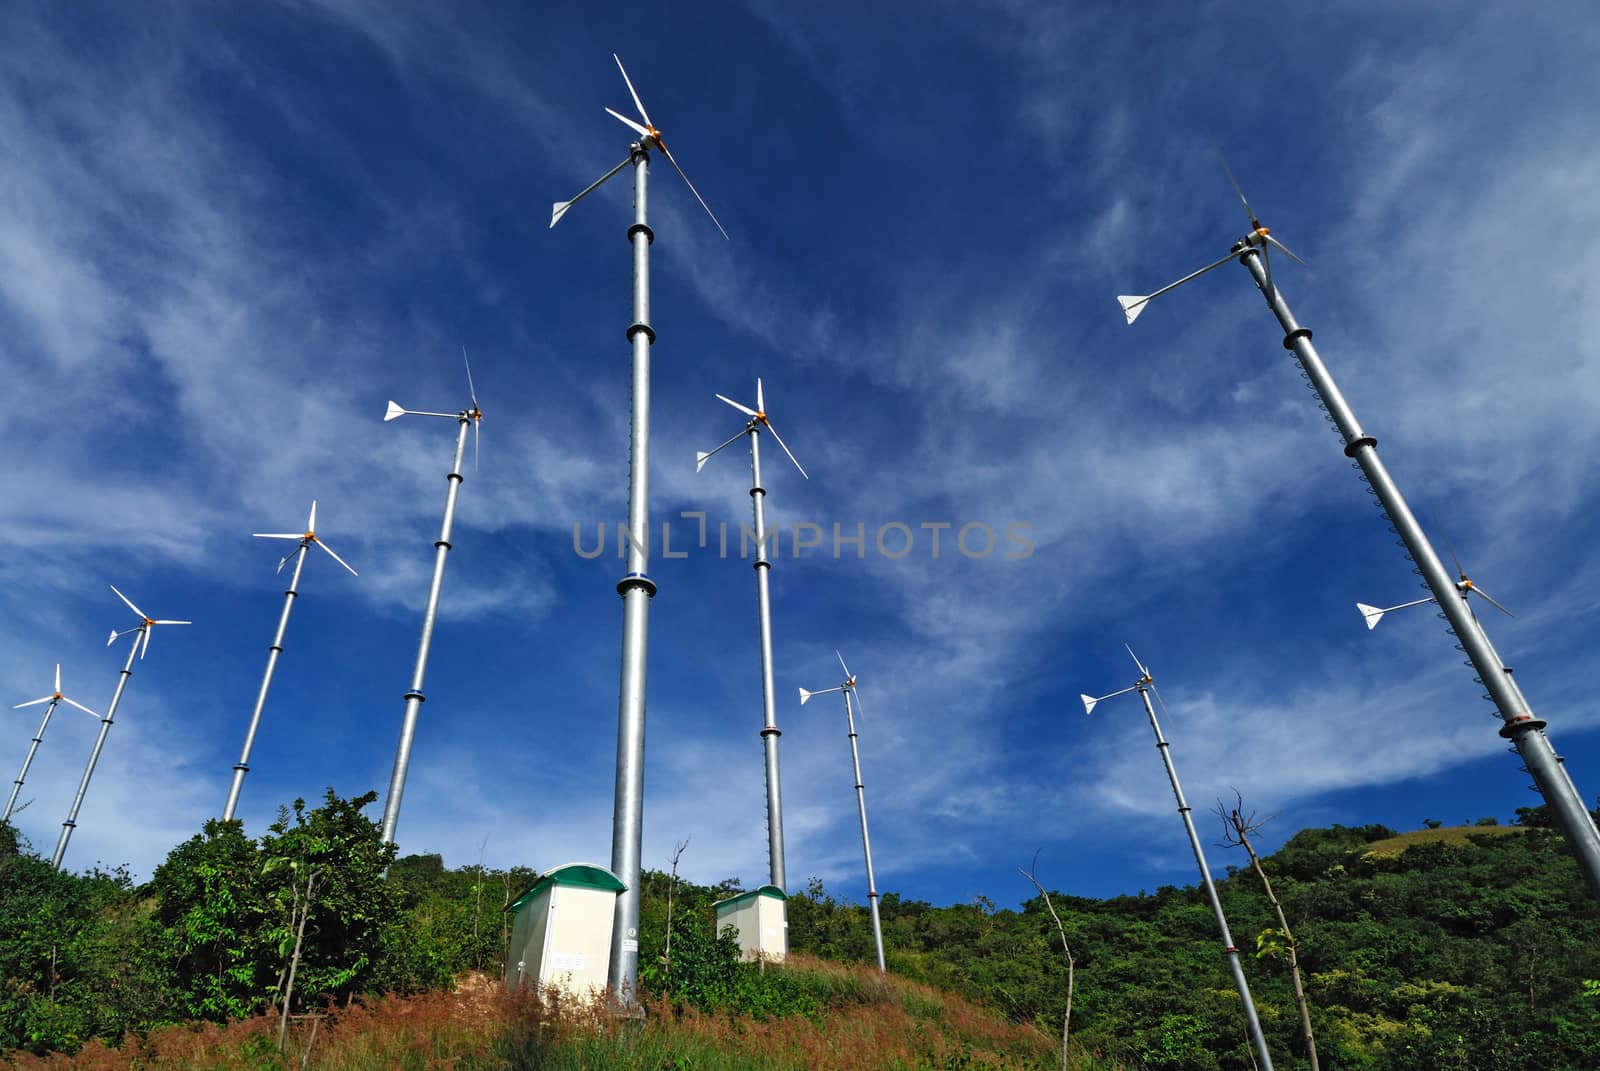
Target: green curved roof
{"type": "Point", "coordinates": [573, 875]}
{"type": "Point", "coordinates": [772, 892]}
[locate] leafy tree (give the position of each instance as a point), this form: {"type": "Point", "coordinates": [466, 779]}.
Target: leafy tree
{"type": "Point", "coordinates": [212, 908]}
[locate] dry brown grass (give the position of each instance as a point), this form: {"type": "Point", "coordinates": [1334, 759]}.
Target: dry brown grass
{"type": "Point", "coordinates": [869, 1022]}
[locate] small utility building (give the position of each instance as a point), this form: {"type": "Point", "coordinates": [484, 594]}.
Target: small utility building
{"type": "Point", "coordinates": [759, 919]}
{"type": "Point", "coordinates": [561, 929]}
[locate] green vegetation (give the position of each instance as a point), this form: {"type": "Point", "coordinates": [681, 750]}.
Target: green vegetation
{"type": "Point", "coordinates": [1473, 947]}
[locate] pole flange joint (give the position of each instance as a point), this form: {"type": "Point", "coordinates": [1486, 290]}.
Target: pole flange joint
{"type": "Point", "coordinates": [445, 543]}
{"type": "Point", "coordinates": [644, 229]}
{"type": "Point", "coordinates": [1296, 335]}
{"type": "Point", "coordinates": [1525, 724]}
{"type": "Point", "coordinates": [241, 767]}
{"type": "Point", "coordinates": [1358, 444]}
{"type": "Point", "coordinates": [636, 580]}
{"type": "Point", "coordinates": [771, 730]}
{"type": "Point", "coordinates": [757, 490]}
{"type": "Point", "coordinates": [649, 332]}
{"type": "Point", "coordinates": [418, 696]}
{"type": "Point", "coordinates": [456, 476]}
{"type": "Point", "coordinates": [759, 562]}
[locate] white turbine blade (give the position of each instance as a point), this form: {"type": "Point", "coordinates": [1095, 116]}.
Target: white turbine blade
{"type": "Point", "coordinates": [1132, 305]}
{"type": "Point", "coordinates": [692, 190]}
{"type": "Point", "coordinates": [643, 131]}
{"type": "Point", "coordinates": [34, 702]}
{"type": "Point", "coordinates": [336, 557]}
{"type": "Point", "coordinates": [125, 599]}
{"type": "Point", "coordinates": [1476, 588]}
{"type": "Point", "coordinates": [861, 711]}
{"type": "Point", "coordinates": [1372, 614]}
{"type": "Point", "coordinates": [785, 446]}
{"type": "Point", "coordinates": [637, 103]}
{"type": "Point", "coordinates": [278, 535]}
{"type": "Point", "coordinates": [701, 457]}
{"type": "Point", "coordinates": [80, 706]}
{"type": "Point", "coordinates": [471, 389]}
{"type": "Point", "coordinates": [559, 209]}
{"type": "Point", "coordinates": [1170, 286]}
{"type": "Point", "coordinates": [172, 622]}
{"type": "Point", "coordinates": [842, 666]}
{"type": "Point", "coordinates": [58, 678]}
{"type": "Point", "coordinates": [761, 401]}
{"type": "Point", "coordinates": [144, 647]}
{"type": "Point", "coordinates": [1088, 702]}
{"type": "Point", "coordinates": [394, 410]}
{"type": "Point", "coordinates": [474, 440]}
{"type": "Point", "coordinates": [311, 521]}
{"type": "Point", "coordinates": [1287, 250]}
{"type": "Point", "coordinates": [1236, 189]}
{"type": "Point", "coordinates": [1142, 671]}
{"type": "Point", "coordinates": [745, 409]}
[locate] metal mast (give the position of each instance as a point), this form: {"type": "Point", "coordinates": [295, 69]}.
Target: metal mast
{"type": "Point", "coordinates": [141, 646]}
{"type": "Point", "coordinates": [414, 697]}
{"type": "Point", "coordinates": [1144, 686]}
{"type": "Point", "coordinates": [763, 568]}
{"type": "Point", "coordinates": [242, 767]}
{"type": "Point", "coordinates": [306, 540]}
{"type": "Point", "coordinates": [94, 755]}
{"type": "Point", "coordinates": [849, 690]}
{"type": "Point", "coordinates": [636, 588]}
{"type": "Point", "coordinates": [866, 841]}
{"type": "Point", "coordinates": [1522, 728]}
{"type": "Point", "coordinates": [54, 699]}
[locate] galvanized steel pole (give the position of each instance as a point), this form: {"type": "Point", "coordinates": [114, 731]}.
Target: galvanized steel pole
{"type": "Point", "coordinates": [636, 589]}
{"type": "Point", "coordinates": [38, 738]}
{"type": "Point", "coordinates": [414, 697]}
{"type": "Point", "coordinates": [1229, 949]}
{"type": "Point", "coordinates": [769, 703]}
{"type": "Point", "coordinates": [1521, 727]}
{"type": "Point", "coordinates": [242, 767]}
{"type": "Point", "coordinates": [866, 841]}
{"type": "Point", "coordinates": [94, 756]}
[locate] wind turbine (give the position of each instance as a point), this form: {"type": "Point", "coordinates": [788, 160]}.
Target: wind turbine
{"type": "Point", "coordinates": [849, 690]}
{"type": "Point", "coordinates": [464, 418]}
{"type": "Point", "coordinates": [141, 644]}
{"type": "Point", "coordinates": [306, 541]}
{"type": "Point", "coordinates": [54, 699]}
{"type": "Point", "coordinates": [636, 587]}
{"type": "Point", "coordinates": [1521, 727]}
{"type": "Point", "coordinates": [1145, 685]}
{"type": "Point", "coordinates": [769, 707]}
{"type": "Point", "coordinates": [1464, 584]}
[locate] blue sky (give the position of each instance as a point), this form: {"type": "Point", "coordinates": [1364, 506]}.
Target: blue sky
{"type": "Point", "coordinates": [229, 235]}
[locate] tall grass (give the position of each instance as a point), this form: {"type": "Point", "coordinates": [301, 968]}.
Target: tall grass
{"type": "Point", "coordinates": [817, 1017]}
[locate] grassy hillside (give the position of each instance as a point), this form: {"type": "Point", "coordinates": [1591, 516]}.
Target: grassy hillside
{"type": "Point", "coordinates": [1446, 949]}
{"type": "Point", "coordinates": [850, 1018]}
